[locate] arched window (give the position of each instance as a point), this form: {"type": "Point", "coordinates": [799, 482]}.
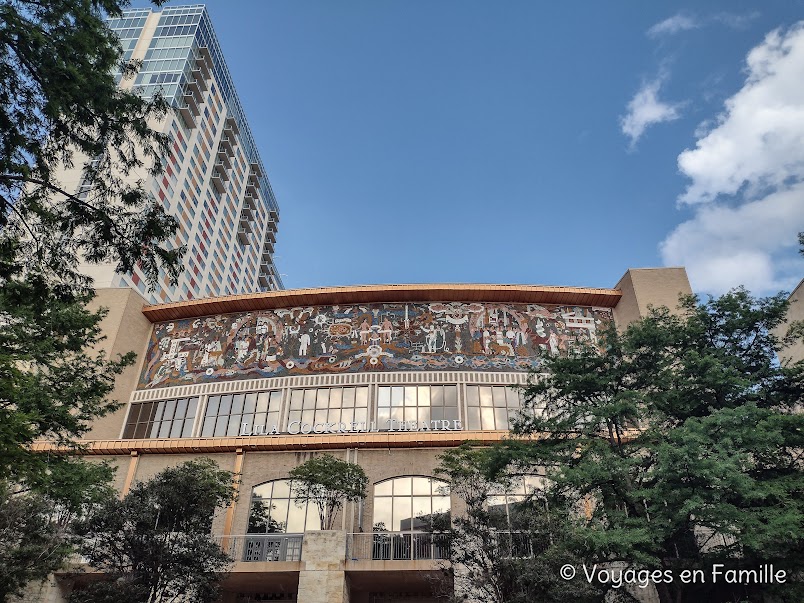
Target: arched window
{"type": "Point", "coordinates": [273, 510]}
{"type": "Point", "coordinates": [504, 500]}
{"type": "Point", "coordinates": [411, 503]}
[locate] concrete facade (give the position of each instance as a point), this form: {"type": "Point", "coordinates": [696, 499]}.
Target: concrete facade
{"type": "Point", "coordinates": [377, 551]}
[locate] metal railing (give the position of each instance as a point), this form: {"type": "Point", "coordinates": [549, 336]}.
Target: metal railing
{"type": "Point", "coordinates": [397, 546]}
{"type": "Point", "coordinates": [513, 545]}
{"type": "Point", "coordinates": [263, 547]}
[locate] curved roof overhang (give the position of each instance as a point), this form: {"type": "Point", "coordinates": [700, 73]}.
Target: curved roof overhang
{"type": "Point", "coordinates": [366, 294]}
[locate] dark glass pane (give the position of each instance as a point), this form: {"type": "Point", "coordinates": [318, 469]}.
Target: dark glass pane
{"type": "Point", "coordinates": [192, 408]}
{"type": "Point", "coordinates": [237, 404]}
{"type": "Point", "coordinates": [212, 406]}
{"type": "Point", "coordinates": [140, 431]}
{"type": "Point", "coordinates": [226, 405]}
{"type": "Point", "coordinates": [250, 404]}
{"type": "Point", "coordinates": [170, 409]}
{"type": "Point", "coordinates": [181, 409]}
{"type": "Point", "coordinates": [187, 429]}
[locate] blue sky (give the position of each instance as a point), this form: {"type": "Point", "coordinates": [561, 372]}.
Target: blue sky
{"type": "Point", "coordinates": [526, 142]}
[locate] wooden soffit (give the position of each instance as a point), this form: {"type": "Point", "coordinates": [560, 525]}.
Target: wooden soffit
{"type": "Point", "coordinates": [333, 296]}
{"type": "Point", "coordinates": [396, 439]}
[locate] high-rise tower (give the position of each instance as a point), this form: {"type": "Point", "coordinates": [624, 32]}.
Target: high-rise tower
{"type": "Point", "coordinates": [214, 183]}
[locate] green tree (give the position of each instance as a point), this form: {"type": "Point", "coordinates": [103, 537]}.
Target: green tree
{"type": "Point", "coordinates": [36, 525]}
{"type": "Point", "coordinates": [328, 482]}
{"type": "Point", "coordinates": [685, 435]}
{"type": "Point", "coordinates": [60, 106]}
{"type": "Point", "coordinates": [154, 545]}
{"type": "Point", "coordinates": [509, 555]}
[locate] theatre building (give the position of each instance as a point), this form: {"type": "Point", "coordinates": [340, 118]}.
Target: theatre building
{"type": "Point", "coordinates": [387, 376]}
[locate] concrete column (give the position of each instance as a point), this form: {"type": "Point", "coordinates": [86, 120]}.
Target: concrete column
{"type": "Point", "coordinates": [322, 578]}
{"type": "Point", "coordinates": [646, 287]}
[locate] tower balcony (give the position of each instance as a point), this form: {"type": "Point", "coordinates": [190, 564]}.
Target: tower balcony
{"type": "Point", "coordinates": [227, 144]}
{"type": "Point", "coordinates": [249, 210]}
{"type": "Point", "coordinates": [194, 88]}
{"type": "Point", "coordinates": [186, 113]}
{"type": "Point", "coordinates": [199, 78]}
{"type": "Point", "coordinates": [222, 169]}
{"type": "Point", "coordinates": [191, 102]}
{"type": "Point", "coordinates": [231, 125]}
{"type": "Point", "coordinates": [218, 180]}
{"type": "Point", "coordinates": [223, 159]}
{"type": "Point", "coordinates": [243, 234]}
{"type": "Point", "coordinates": [204, 61]}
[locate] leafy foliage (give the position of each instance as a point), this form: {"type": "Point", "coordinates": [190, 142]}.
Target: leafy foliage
{"type": "Point", "coordinates": [60, 104]}
{"type": "Point", "coordinates": [36, 525]}
{"type": "Point", "coordinates": [328, 482]}
{"type": "Point", "coordinates": [684, 437]}
{"type": "Point", "coordinates": [514, 556]}
{"type": "Point", "coordinates": [51, 384]}
{"type": "Point", "coordinates": [154, 545]}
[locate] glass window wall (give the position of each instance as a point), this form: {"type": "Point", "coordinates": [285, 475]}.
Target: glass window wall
{"type": "Point", "coordinates": [273, 510]}
{"type": "Point", "coordinates": [329, 405]}
{"type": "Point", "coordinates": [226, 414]}
{"type": "Point", "coordinates": [162, 419]}
{"type": "Point", "coordinates": [411, 503]}
{"type": "Point", "coordinates": [422, 403]}
{"type": "Point", "coordinates": [491, 407]}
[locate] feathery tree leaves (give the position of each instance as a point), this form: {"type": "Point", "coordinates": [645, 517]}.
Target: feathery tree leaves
{"type": "Point", "coordinates": [328, 482]}
{"type": "Point", "coordinates": [154, 545]}
{"type": "Point", "coordinates": [60, 106]}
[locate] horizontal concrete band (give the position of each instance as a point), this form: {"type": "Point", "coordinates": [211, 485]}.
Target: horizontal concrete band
{"type": "Point", "coordinates": [384, 439]}
{"type": "Point", "coordinates": [288, 298]}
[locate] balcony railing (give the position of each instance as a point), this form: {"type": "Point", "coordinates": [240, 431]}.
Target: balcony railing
{"type": "Point", "coordinates": [513, 545]}
{"type": "Point", "coordinates": [397, 546]}
{"type": "Point", "coordinates": [263, 547]}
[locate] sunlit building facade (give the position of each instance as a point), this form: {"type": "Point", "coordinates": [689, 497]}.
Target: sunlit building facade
{"type": "Point", "coordinates": [215, 183]}
{"type": "Point", "coordinates": [388, 377]}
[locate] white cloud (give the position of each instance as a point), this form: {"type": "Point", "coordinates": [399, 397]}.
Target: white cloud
{"type": "Point", "coordinates": [735, 21]}
{"type": "Point", "coordinates": [759, 139]}
{"type": "Point", "coordinates": [747, 179]}
{"type": "Point", "coordinates": [685, 22]}
{"type": "Point", "coordinates": [645, 109]}
{"type": "Point", "coordinates": [673, 25]}
{"type": "Point", "coordinates": [724, 246]}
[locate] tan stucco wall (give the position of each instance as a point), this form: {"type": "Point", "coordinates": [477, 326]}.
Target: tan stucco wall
{"type": "Point", "coordinates": [149, 465]}
{"type": "Point", "coordinates": [643, 288]}
{"type": "Point", "coordinates": [795, 352]}
{"type": "Point", "coordinates": [126, 330]}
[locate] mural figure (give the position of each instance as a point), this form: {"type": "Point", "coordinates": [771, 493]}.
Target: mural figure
{"type": "Point", "coordinates": [304, 341]}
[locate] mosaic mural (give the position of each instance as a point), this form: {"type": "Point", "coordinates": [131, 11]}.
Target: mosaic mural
{"type": "Point", "coordinates": [371, 337]}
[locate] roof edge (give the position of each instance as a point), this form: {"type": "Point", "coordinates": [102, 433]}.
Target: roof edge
{"type": "Point", "coordinates": [322, 296]}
